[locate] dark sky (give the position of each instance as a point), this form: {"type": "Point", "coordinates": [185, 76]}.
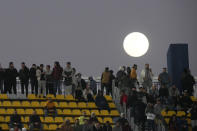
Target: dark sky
{"type": "Point", "coordinates": [90, 33]}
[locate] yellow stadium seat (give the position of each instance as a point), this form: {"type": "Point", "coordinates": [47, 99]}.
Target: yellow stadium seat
{"type": "Point", "coordinates": [4, 126]}
{"type": "Point", "coordinates": [6, 104]}
{"type": "Point", "coordinates": [108, 98]}
{"type": "Point", "coordinates": [189, 121]}
{"type": "Point", "coordinates": [87, 112]}
{"type": "Point", "coordinates": [48, 119]}
{"type": "Point", "coordinates": [69, 98]}
{"type": "Point", "coordinates": [39, 111]}
{"type": "Point", "coordinates": [67, 112]}
{"type": "Point", "coordinates": [70, 118]}
{"type": "Point", "coordinates": [31, 96]}
{"type": "Point", "coordinates": [26, 126]}
{"type": "Point", "coordinates": [42, 119]}
{"type": "Point", "coordinates": [60, 97]}
{"type": "Point", "coordinates": [107, 119]}
{"type": "Point", "coordinates": [59, 112]}
{"type": "Point", "coordinates": [20, 111]}
{"type": "Point", "coordinates": [52, 127]}
{"type": "Point", "coordinates": [104, 113]}
{"type": "Point", "coordinates": [112, 105]}
{"type": "Point", "coordinates": [50, 96]}
{"type": "Point", "coordinates": [56, 104]}
{"type": "Point", "coordinates": [114, 113]}
{"type": "Point", "coordinates": [45, 127]}
{"type": "Point", "coordinates": [193, 98]}
{"type": "Point", "coordinates": [82, 105]}
{"type": "Point", "coordinates": [43, 104]}
{"type": "Point", "coordinates": [1, 119]}
{"type": "Point", "coordinates": [16, 104]}
{"type": "Point", "coordinates": [96, 112]}
{"type": "Point", "coordinates": [35, 104]}
{"type": "Point", "coordinates": [76, 112]}
{"type": "Point", "coordinates": [2, 111]}
{"type": "Point", "coordinates": [26, 104]}
{"type": "Point", "coordinates": [168, 113]}
{"type": "Point", "coordinates": [29, 111]}
{"type": "Point", "coordinates": [100, 119]}
{"type": "Point", "coordinates": [10, 111]}
{"type": "Point", "coordinates": [72, 105]}
{"type": "Point", "coordinates": [0, 104]}
{"type": "Point", "coordinates": [7, 119]}
{"type": "Point", "coordinates": [167, 120]}
{"type": "Point", "coordinates": [59, 120]}
{"type": "Point", "coordinates": [3, 96]}
{"type": "Point", "coordinates": [63, 104]}
{"type": "Point", "coordinates": [189, 115]}
{"type": "Point", "coordinates": [180, 113]}
{"type": "Point", "coordinates": [91, 105]}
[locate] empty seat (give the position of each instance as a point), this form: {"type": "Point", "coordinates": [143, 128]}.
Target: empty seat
{"type": "Point", "coordinates": [2, 111]}
{"type": "Point", "coordinates": [50, 96]}
{"type": "Point", "coordinates": [112, 105]}
{"type": "Point", "coordinates": [69, 98]}
{"type": "Point", "coordinates": [3, 96]}
{"type": "Point", "coordinates": [59, 112]}
{"type": "Point", "coordinates": [45, 127]}
{"type": "Point", "coordinates": [104, 112]}
{"type": "Point", "coordinates": [26, 104]}
{"type": "Point", "coordinates": [168, 113]}
{"type": "Point", "coordinates": [42, 119]}
{"type": "Point", "coordinates": [43, 104]}
{"type": "Point", "coordinates": [86, 111]}
{"type": "Point", "coordinates": [35, 104]}
{"type": "Point", "coordinates": [4, 126]}
{"type": "Point", "coordinates": [100, 119]}
{"type": "Point", "coordinates": [20, 111]}
{"type": "Point", "coordinates": [60, 97]}
{"type": "Point", "coordinates": [69, 118]}
{"type": "Point", "coordinates": [10, 111]}
{"type": "Point", "coordinates": [7, 119]}
{"type": "Point", "coordinates": [76, 112]}
{"type": "Point", "coordinates": [180, 113]}
{"type": "Point", "coordinates": [91, 105]}
{"type": "Point", "coordinates": [59, 120]}
{"type": "Point", "coordinates": [31, 96]}
{"type": "Point", "coordinates": [29, 111]}
{"type": "Point", "coordinates": [16, 104]}
{"type": "Point", "coordinates": [48, 119]}
{"type": "Point", "coordinates": [63, 104]}
{"type": "Point", "coordinates": [108, 98]}
{"type": "Point", "coordinates": [114, 113]}
{"type": "Point", "coordinates": [96, 112]}
{"type": "Point", "coordinates": [1, 119]}
{"type": "Point", "coordinates": [6, 104]}
{"type": "Point", "coordinates": [40, 111]}
{"type": "Point", "coordinates": [52, 127]}
{"type": "Point", "coordinates": [72, 105]}
{"type": "Point", "coordinates": [108, 119]}
{"type": "Point", "coordinates": [25, 119]}
{"type": "Point", "coordinates": [66, 112]}
{"type": "Point", "coordinates": [167, 120]}
{"type": "Point", "coordinates": [82, 105]}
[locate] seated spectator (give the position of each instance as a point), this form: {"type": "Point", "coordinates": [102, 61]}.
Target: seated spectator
{"type": "Point", "coordinates": [150, 116]}
{"type": "Point", "coordinates": [122, 120]}
{"type": "Point", "coordinates": [93, 117]}
{"type": "Point", "coordinates": [15, 122]}
{"type": "Point", "coordinates": [35, 122]}
{"type": "Point", "coordinates": [182, 124]}
{"type": "Point", "coordinates": [66, 126]}
{"type": "Point", "coordinates": [158, 107]}
{"type": "Point", "coordinates": [107, 126]}
{"type": "Point", "coordinates": [173, 124]}
{"type": "Point", "coordinates": [92, 85]}
{"type": "Point", "coordinates": [86, 126]}
{"type": "Point", "coordinates": [126, 127]}
{"type": "Point", "coordinates": [174, 95]}
{"type": "Point", "coordinates": [50, 108]}
{"type": "Point", "coordinates": [76, 126]}
{"type": "Point", "coordinates": [82, 118]}
{"type": "Point", "coordinates": [117, 127]}
{"type": "Point", "coordinates": [97, 127]}
{"type": "Point", "coordinates": [193, 112]}
{"type": "Point", "coordinates": [101, 102]}
{"type": "Point", "coordinates": [81, 82]}
{"type": "Point", "coordinates": [88, 94]}
{"type": "Point", "coordinates": [153, 94]}
{"type": "Point", "coordinates": [185, 101]}
{"type": "Point", "coordinates": [79, 94]}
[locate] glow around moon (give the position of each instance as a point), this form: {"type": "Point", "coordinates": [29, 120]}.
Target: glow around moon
{"type": "Point", "coordinates": [136, 44]}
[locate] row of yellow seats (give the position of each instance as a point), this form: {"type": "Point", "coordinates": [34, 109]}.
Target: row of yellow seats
{"type": "Point", "coordinates": [171, 113]}
{"type": "Point", "coordinates": [61, 112]}
{"type": "Point", "coordinates": [49, 119]}
{"type": "Point", "coordinates": [61, 97]}
{"type": "Point", "coordinates": [37, 104]}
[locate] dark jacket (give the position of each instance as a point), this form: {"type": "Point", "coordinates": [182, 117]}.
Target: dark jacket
{"type": "Point", "coordinates": [107, 128]}
{"type": "Point", "coordinates": [24, 74]}
{"type": "Point", "coordinates": [32, 74]}
{"type": "Point", "coordinates": [57, 73]}
{"type": "Point", "coordinates": [11, 74]}
{"type": "Point", "coordinates": [15, 119]}
{"type": "Point", "coordinates": [2, 73]}
{"type": "Point", "coordinates": [101, 102]}
{"type": "Point", "coordinates": [35, 118]}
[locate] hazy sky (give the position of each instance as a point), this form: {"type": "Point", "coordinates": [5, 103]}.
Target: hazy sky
{"type": "Point", "coordinates": [90, 33]}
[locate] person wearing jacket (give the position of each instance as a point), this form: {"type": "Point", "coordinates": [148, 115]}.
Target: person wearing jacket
{"type": "Point", "coordinates": [49, 81]}
{"type": "Point", "coordinates": [41, 77]}
{"type": "Point", "coordinates": [105, 81]}
{"type": "Point", "coordinates": [57, 77]}
{"type": "Point", "coordinates": [24, 78]}
{"type": "Point", "coordinates": [193, 112]}
{"type": "Point", "coordinates": [2, 73]}
{"type": "Point", "coordinates": [10, 79]}
{"type": "Point", "coordinates": [33, 79]}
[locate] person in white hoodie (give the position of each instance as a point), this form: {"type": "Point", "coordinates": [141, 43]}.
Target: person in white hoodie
{"type": "Point", "coordinates": [146, 77]}
{"type": "Point", "coordinates": [41, 77]}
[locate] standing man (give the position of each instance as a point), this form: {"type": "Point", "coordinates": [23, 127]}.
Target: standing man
{"type": "Point", "coordinates": [57, 76]}
{"type": "Point", "coordinates": [24, 78]}
{"type": "Point", "coordinates": [49, 80]}
{"type": "Point", "coordinates": [41, 77]}
{"type": "Point", "coordinates": [164, 78]}
{"type": "Point", "coordinates": [133, 76]}
{"type": "Point", "coordinates": [10, 79]}
{"type": "Point", "coordinates": [105, 79]}
{"type": "Point", "coordinates": [67, 74]}
{"type": "Point", "coordinates": [146, 77]}
{"type": "Point", "coordinates": [33, 79]}
{"type": "Point", "coordinates": [1, 79]}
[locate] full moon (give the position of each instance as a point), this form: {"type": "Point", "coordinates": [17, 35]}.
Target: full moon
{"type": "Point", "coordinates": [136, 44]}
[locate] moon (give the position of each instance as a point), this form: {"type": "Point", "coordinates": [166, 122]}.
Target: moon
{"type": "Point", "coordinates": [136, 44]}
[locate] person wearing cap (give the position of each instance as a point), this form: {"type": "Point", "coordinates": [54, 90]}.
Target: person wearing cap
{"type": "Point", "coordinates": [164, 78]}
